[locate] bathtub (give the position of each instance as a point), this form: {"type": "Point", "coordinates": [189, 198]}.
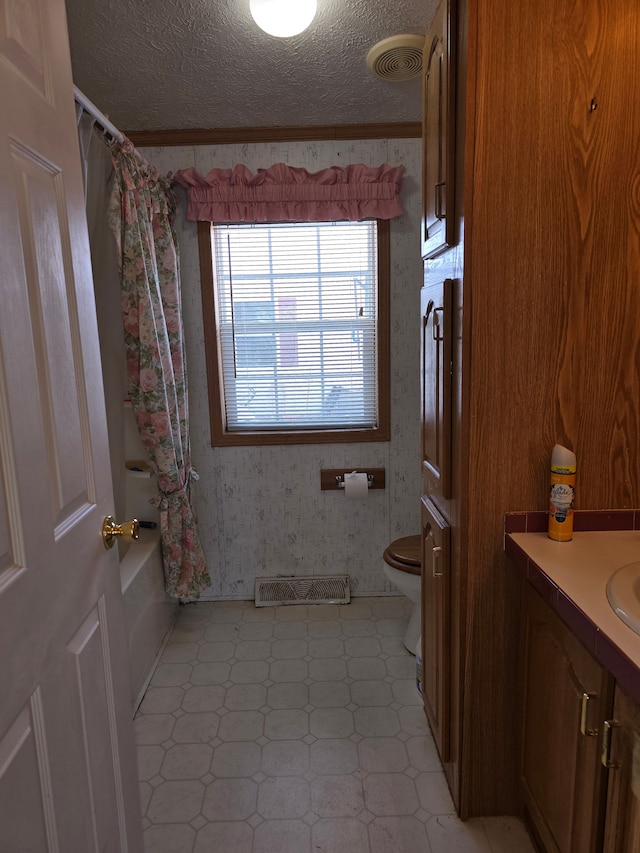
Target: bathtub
{"type": "Point", "coordinates": [149, 611]}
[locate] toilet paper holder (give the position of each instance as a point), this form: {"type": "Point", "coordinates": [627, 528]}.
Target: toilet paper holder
{"type": "Point", "coordinates": [333, 478]}
{"type": "Point", "coordinates": [340, 479]}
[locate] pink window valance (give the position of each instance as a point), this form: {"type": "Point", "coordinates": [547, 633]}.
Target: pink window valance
{"type": "Point", "coordinates": [287, 194]}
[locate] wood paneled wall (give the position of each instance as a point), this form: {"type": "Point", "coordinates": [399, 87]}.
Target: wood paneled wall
{"type": "Point", "coordinates": [553, 267]}
{"type": "Point", "coordinates": [551, 300]}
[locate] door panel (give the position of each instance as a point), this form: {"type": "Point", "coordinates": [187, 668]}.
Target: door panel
{"type": "Point", "coordinates": [436, 623]}
{"type": "Point", "coordinates": [436, 306]}
{"type": "Point", "coordinates": [7, 559]}
{"type": "Point", "coordinates": [25, 784]}
{"type": "Point", "coordinates": [89, 657]}
{"type": "Point", "coordinates": [22, 43]}
{"type": "Point", "coordinates": [54, 327]}
{"type": "Point", "coordinates": [68, 779]}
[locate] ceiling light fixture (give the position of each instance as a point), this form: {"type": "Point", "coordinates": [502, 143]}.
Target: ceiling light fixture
{"type": "Point", "coordinates": [283, 18]}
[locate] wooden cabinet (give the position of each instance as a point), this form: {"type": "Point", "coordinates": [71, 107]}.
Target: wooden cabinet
{"type": "Point", "coordinates": [438, 135]}
{"type": "Point", "coordinates": [580, 756]}
{"type": "Point", "coordinates": [567, 696]}
{"type": "Point", "coordinates": [544, 231]}
{"type": "Point", "coordinates": [436, 302]}
{"type": "Point", "coordinates": [436, 624]}
{"type": "Point", "coordinates": [436, 387]}
{"type": "Point", "coordinates": [622, 755]}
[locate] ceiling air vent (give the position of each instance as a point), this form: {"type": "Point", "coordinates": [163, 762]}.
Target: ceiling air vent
{"type": "Point", "coordinates": [396, 58]}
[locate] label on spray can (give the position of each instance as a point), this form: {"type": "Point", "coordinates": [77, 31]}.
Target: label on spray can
{"type": "Point", "coordinates": [561, 496]}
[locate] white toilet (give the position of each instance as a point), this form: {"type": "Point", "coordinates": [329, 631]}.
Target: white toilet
{"type": "Point", "coordinates": [403, 568]}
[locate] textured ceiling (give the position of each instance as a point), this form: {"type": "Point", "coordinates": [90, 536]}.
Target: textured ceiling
{"type": "Point", "coordinates": [160, 64]}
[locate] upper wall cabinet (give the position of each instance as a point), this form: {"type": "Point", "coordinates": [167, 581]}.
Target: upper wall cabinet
{"type": "Point", "coordinates": [438, 160]}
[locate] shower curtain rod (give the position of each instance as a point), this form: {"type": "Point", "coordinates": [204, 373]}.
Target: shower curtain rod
{"type": "Point", "coordinates": [89, 107]}
{"type": "Point", "coordinates": [100, 117]}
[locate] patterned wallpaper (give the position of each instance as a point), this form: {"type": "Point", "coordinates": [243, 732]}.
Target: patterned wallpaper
{"type": "Point", "coordinates": [260, 509]}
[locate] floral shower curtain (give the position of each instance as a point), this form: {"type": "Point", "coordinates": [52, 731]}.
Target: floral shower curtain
{"type": "Point", "coordinates": [141, 214]}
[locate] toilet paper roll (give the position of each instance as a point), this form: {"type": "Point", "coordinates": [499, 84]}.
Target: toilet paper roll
{"type": "Point", "coordinates": [355, 485]}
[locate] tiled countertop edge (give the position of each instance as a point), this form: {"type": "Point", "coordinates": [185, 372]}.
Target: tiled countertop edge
{"type": "Point", "coordinates": [583, 519]}
{"type": "Point", "coordinates": [604, 650]}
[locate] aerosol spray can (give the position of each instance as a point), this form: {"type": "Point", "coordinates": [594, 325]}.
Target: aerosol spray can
{"type": "Point", "coordinates": [562, 493]}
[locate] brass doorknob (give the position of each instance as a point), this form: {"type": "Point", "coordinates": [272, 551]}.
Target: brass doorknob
{"type": "Point", "coordinates": [129, 531]}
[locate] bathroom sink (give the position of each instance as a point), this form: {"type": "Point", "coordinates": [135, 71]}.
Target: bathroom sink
{"type": "Point", "coordinates": [623, 592]}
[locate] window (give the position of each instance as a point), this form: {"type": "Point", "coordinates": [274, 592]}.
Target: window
{"type": "Point", "coordinates": [296, 330]}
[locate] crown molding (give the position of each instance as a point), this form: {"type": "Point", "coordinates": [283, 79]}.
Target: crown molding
{"type": "Point", "coordinates": [240, 135]}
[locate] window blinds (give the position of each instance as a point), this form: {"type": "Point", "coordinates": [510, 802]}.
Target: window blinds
{"type": "Point", "coordinates": [296, 317]}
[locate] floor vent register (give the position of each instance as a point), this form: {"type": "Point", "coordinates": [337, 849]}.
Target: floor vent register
{"type": "Point", "coordinates": [326, 589]}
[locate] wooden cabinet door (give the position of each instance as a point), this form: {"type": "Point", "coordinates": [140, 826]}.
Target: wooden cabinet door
{"type": "Point", "coordinates": [622, 828]}
{"type": "Point", "coordinates": [438, 135]}
{"type": "Point", "coordinates": [436, 369]}
{"type": "Point", "coordinates": [566, 698]}
{"type": "Point", "coordinates": [436, 582]}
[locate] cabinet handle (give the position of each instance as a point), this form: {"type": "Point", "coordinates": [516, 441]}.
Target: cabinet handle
{"type": "Point", "coordinates": [605, 757]}
{"type": "Point", "coordinates": [435, 331]}
{"type": "Point", "coordinates": [438, 200]}
{"type": "Point", "coordinates": [584, 710]}
{"type": "Point", "coordinates": [427, 313]}
{"type": "Point", "coordinates": [434, 555]}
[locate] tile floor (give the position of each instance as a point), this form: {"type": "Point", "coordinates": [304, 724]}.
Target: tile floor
{"type": "Point", "coordinates": [296, 730]}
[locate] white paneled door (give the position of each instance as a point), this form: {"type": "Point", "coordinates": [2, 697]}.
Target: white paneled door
{"type": "Point", "coordinates": [67, 767]}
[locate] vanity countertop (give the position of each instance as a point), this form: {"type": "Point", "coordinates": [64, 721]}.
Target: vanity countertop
{"type": "Point", "coordinates": [572, 577]}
